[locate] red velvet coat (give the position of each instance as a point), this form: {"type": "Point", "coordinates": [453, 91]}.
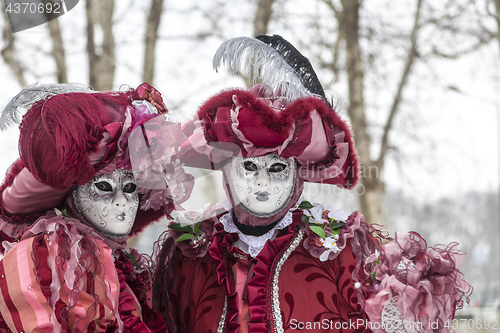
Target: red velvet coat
{"type": "Point", "coordinates": [287, 289]}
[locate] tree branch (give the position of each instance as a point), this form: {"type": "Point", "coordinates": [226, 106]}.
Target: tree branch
{"type": "Point", "coordinates": [485, 39]}
{"type": "Point", "coordinates": [153, 23]}
{"type": "Point", "coordinates": [497, 11]}
{"type": "Point", "coordinates": [262, 17]}
{"type": "Point", "coordinates": [58, 52]}
{"type": "Point", "coordinates": [106, 60]}
{"type": "Point", "coordinates": [330, 5]}
{"type": "Point", "coordinates": [8, 52]}
{"type": "Point", "coordinates": [412, 54]}
{"type": "Point", "coordinates": [348, 20]}
{"type": "Point", "coordinates": [92, 56]}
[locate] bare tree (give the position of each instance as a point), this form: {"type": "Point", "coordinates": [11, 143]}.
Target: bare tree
{"type": "Point", "coordinates": [497, 18]}
{"type": "Point", "coordinates": [466, 21]}
{"type": "Point", "coordinates": [262, 17]}
{"type": "Point", "coordinates": [153, 23]}
{"type": "Point", "coordinates": [101, 64]}
{"type": "Point", "coordinates": [11, 59]}
{"type": "Point", "coordinates": [348, 17]}
{"type": "Point", "coordinates": [8, 52]}
{"type": "Point", "coordinates": [57, 46]}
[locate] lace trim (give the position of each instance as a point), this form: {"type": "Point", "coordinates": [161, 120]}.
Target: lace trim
{"type": "Point", "coordinates": [256, 243]}
{"type": "Point", "coordinates": [393, 321]}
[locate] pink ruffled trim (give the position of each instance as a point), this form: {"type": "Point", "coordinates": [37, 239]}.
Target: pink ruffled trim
{"type": "Point", "coordinates": [332, 171]}
{"type": "Point", "coordinates": [222, 242]}
{"type": "Point", "coordinates": [216, 153]}
{"type": "Point", "coordinates": [80, 242]}
{"type": "Point", "coordinates": [257, 286]}
{"type": "Point", "coordinates": [10, 233]}
{"type": "Point", "coordinates": [117, 150]}
{"type": "Point", "coordinates": [75, 246]}
{"type": "Point", "coordinates": [426, 280]}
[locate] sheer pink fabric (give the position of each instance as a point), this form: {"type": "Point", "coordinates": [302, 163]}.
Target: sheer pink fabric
{"type": "Point", "coordinates": [426, 281]}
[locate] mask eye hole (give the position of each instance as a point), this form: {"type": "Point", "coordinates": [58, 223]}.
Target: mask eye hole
{"type": "Point", "coordinates": [104, 186]}
{"type": "Point", "coordinates": [250, 166]}
{"type": "Point", "coordinates": [277, 167]}
{"type": "Point", "coordinates": [129, 188]}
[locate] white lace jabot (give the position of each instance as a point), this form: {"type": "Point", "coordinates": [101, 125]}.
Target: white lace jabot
{"type": "Point", "coordinates": [252, 245]}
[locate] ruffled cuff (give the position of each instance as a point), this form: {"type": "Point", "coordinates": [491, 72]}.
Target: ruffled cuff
{"type": "Point", "coordinates": [417, 287]}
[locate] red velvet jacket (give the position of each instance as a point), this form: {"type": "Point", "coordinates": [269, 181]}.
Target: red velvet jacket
{"type": "Point", "coordinates": [287, 288]}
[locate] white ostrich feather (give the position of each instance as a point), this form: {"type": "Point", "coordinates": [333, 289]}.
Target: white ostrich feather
{"type": "Point", "coordinates": [18, 105]}
{"type": "Point", "coordinates": [245, 56]}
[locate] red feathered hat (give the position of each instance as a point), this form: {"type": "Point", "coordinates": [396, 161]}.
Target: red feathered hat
{"type": "Point", "coordinates": [71, 133]}
{"type": "Point", "coordinates": [292, 119]}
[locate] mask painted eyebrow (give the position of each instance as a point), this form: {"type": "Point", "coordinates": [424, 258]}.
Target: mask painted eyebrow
{"type": "Point", "coordinates": [127, 178]}
{"type": "Point", "coordinates": [103, 176]}
{"type": "Point", "coordinates": [105, 182]}
{"type": "Point", "coordinates": [275, 158]}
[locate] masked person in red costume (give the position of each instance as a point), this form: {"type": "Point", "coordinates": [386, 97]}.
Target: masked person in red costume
{"type": "Point", "coordinates": [273, 261]}
{"type": "Point", "coordinates": [71, 201]}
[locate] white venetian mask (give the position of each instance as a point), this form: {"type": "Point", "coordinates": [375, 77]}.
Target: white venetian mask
{"type": "Point", "coordinates": [109, 202]}
{"type": "Point", "coordinates": [262, 185]}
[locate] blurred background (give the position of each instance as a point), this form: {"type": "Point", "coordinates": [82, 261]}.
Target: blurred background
{"type": "Point", "coordinates": [418, 80]}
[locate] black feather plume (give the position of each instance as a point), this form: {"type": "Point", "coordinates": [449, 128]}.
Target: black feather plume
{"type": "Point", "coordinates": [297, 61]}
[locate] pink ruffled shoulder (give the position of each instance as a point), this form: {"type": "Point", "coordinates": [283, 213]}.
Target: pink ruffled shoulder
{"type": "Point", "coordinates": [410, 287]}
{"type": "Point", "coordinates": [60, 257]}
{"type": "Point", "coordinates": [415, 287]}
{"type": "Point", "coordinates": [85, 280]}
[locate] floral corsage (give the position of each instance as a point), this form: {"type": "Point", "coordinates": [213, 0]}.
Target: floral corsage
{"type": "Point", "coordinates": [192, 231]}
{"type": "Point", "coordinates": [322, 226]}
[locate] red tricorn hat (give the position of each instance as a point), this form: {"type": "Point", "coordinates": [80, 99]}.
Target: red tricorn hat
{"type": "Point", "coordinates": [287, 115]}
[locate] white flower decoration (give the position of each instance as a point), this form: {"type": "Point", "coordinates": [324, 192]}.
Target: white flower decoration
{"type": "Point", "coordinates": [190, 217]}
{"type": "Point", "coordinates": [315, 215]}
{"type": "Point", "coordinates": [330, 243]}
{"type": "Point", "coordinates": [338, 215]}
